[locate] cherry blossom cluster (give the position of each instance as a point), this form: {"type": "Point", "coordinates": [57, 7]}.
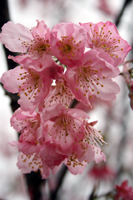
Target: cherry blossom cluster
{"type": "Point", "coordinates": [55, 67]}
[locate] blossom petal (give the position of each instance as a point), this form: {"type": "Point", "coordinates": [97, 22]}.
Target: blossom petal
{"type": "Point", "coordinates": [13, 36]}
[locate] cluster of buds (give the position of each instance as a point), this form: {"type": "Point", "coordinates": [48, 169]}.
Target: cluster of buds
{"type": "Point", "coordinates": [55, 67]}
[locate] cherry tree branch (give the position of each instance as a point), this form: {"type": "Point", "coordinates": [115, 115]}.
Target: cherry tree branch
{"type": "Point", "coordinates": [118, 19]}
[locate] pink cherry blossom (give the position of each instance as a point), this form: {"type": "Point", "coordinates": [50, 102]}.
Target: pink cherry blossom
{"type": "Point", "coordinates": [32, 82]}
{"type": "Point", "coordinates": [68, 42]}
{"type": "Point", "coordinates": [93, 102]}
{"type": "Point", "coordinates": [40, 44]}
{"type": "Point", "coordinates": [72, 135]}
{"type": "Point", "coordinates": [31, 85]}
{"type": "Point", "coordinates": [28, 163]}
{"type": "Point", "coordinates": [23, 121]}
{"type": "Point", "coordinates": [30, 128]}
{"type": "Point", "coordinates": [104, 37]}
{"type": "Point", "coordinates": [67, 127]}
{"type": "Point", "coordinates": [58, 93]}
{"type": "Point", "coordinates": [49, 155]}
{"type": "Point", "coordinates": [83, 153]}
{"type": "Point", "coordinates": [34, 42]}
{"type": "Point", "coordinates": [124, 191]}
{"type": "Point", "coordinates": [92, 77]}
{"type": "Point", "coordinates": [35, 162]}
{"type": "Point", "coordinates": [94, 138]}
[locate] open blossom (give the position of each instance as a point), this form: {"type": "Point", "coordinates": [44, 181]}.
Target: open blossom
{"type": "Point", "coordinates": [67, 127]}
{"type": "Point", "coordinates": [47, 160]}
{"type": "Point", "coordinates": [93, 137]}
{"type": "Point", "coordinates": [124, 191]}
{"type": "Point", "coordinates": [92, 77]}
{"type": "Point", "coordinates": [30, 128]}
{"type": "Point", "coordinates": [72, 134]}
{"type": "Point", "coordinates": [32, 81]}
{"type": "Point", "coordinates": [31, 85]}
{"type": "Point", "coordinates": [58, 93]}
{"type": "Point", "coordinates": [68, 43]}
{"type": "Point", "coordinates": [34, 42]}
{"type": "Point", "coordinates": [104, 37]}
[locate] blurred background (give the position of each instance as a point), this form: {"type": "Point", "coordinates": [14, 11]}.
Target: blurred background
{"type": "Point", "coordinates": [115, 119]}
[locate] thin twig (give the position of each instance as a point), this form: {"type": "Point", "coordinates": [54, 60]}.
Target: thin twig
{"type": "Point", "coordinates": [118, 19]}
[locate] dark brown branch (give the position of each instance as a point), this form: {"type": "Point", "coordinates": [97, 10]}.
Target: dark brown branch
{"type": "Point", "coordinates": [4, 13]}
{"type": "Point", "coordinates": [118, 19]}
{"type": "Point", "coordinates": [53, 193]}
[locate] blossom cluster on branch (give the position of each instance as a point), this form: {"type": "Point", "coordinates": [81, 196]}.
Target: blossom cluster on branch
{"type": "Point", "coordinates": [55, 67]}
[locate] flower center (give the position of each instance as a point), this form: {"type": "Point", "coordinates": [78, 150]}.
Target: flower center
{"type": "Point", "coordinates": [37, 46]}
{"type": "Point", "coordinates": [68, 46]}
